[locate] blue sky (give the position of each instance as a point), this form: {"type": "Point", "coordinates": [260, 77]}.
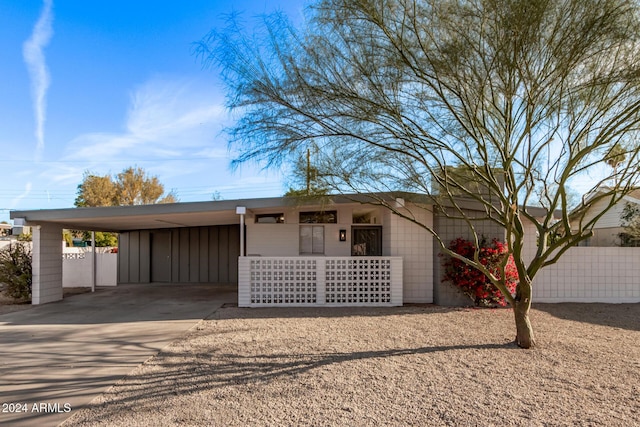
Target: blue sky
{"type": "Point", "coordinates": [102, 85]}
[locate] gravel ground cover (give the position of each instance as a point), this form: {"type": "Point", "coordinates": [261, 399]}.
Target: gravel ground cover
{"type": "Point", "coordinates": [413, 365]}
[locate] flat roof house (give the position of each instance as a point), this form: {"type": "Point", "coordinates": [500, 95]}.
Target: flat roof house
{"type": "Point", "coordinates": [280, 252]}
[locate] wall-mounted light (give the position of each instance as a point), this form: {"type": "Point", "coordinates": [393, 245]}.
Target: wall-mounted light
{"type": "Point", "coordinates": [343, 235]}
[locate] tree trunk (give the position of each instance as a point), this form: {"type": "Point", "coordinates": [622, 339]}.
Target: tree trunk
{"type": "Point", "coordinates": [524, 331]}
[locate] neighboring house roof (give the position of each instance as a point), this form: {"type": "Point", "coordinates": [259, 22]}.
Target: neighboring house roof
{"type": "Point", "coordinates": [611, 218]}
{"type": "Point", "coordinates": [633, 196]}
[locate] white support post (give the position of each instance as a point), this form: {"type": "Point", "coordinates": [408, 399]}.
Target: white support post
{"type": "Point", "coordinates": [93, 261]}
{"type": "Point", "coordinates": [241, 210]}
{"type": "Point", "coordinates": [46, 264]}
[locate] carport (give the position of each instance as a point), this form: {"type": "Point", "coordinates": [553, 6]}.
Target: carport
{"type": "Point", "coordinates": [197, 242]}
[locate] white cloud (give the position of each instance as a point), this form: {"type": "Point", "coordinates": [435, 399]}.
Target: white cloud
{"type": "Point", "coordinates": [166, 120]}
{"type": "Point", "coordinates": [33, 53]}
{"type": "Point", "coordinates": [25, 193]}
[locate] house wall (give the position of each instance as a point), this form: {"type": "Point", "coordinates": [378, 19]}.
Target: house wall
{"type": "Point", "coordinates": [400, 238]}
{"type": "Point", "coordinates": [608, 227]}
{"type": "Point", "coordinates": [284, 239]}
{"type": "Point", "coordinates": [195, 254]}
{"type": "Point", "coordinates": [610, 219]}
{"type": "Point", "coordinates": [450, 229]}
{"type": "Point", "coordinates": [46, 264]}
{"type": "Point", "coordinates": [415, 245]}
{"type": "Point", "coordinates": [605, 237]}
{"type": "Point", "coordinates": [591, 274]}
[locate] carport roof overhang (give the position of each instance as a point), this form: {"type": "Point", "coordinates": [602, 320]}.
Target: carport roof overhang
{"type": "Point", "coordinates": [190, 214]}
{"type": "Point", "coordinates": [124, 218]}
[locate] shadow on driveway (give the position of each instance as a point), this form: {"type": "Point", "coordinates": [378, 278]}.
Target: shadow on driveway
{"type": "Point", "coordinates": [70, 351]}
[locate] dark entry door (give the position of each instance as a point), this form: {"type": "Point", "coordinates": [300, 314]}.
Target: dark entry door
{"type": "Point", "coordinates": [160, 256]}
{"type": "Point", "coordinates": [366, 241]}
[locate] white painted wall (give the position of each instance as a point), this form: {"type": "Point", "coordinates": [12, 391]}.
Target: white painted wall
{"type": "Point", "coordinates": [46, 265]}
{"type": "Point", "coordinates": [591, 274]}
{"type": "Point", "coordinates": [415, 245]}
{"type": "Point", "coordinates": [400, 238]}
{"type": "Point", "coordinates": [588, 274]}
{"type": "Point", "coordinates": [76, 270]}
{"type": "Point", "coordinates": [284, 239]}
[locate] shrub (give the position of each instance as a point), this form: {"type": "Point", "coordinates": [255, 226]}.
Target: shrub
{"type": "Point", "coordinates": [15, 270]}
{"type": "Point", "coordinates": [472, 281]}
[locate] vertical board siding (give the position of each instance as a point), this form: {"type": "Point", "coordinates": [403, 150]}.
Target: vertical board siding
{"type": "Point", "coordinates": [233, 253]}
{"type": "Point", "coordinates": [47, 264]}
{"type": "Point", "coordinates": [223, 255]}
{"type": "Point", "coordinates": [134, 254]}
{"type": "Point", "coordinates": [194, 255]}
{"type": "Point", "coordinates": [203, 251]}
{"type": "Point", "coordinates": [197, 254]}
{"type": "Point", "coordinates": [145, 256]}
{"type": "Point", "coordinates": [214, 233]}
{"type": "Point", "coordinates": [184, 255]}
{"type": "Point", "coordinates": [175, 255]}
{"type": "Point", "coordinates": [123, 258]}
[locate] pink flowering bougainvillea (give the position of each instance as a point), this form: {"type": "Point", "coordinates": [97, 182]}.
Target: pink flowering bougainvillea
{"type": "Point", "coordinates": [471, 280]}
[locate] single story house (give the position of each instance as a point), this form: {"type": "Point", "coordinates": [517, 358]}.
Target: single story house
{"type": "Point", "coordinates": [607, 230]}
{"type": "Point", "coordinates": [279, 251]}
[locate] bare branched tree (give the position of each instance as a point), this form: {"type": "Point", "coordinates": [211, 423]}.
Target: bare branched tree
{"type": "Point", "coordinates": [504, 104]}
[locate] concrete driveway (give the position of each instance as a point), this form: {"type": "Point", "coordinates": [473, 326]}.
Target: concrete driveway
{"type": "Point", "coordinates": [56, 358]}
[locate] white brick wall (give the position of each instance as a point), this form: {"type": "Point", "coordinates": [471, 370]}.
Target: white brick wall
{"type": "Point", "coordinates": [47, 264]}
{"type": "Point", "coordinates": [414, 244]}
{"type": "Point", "coordinates": [587, 274]}
{"type": "Point", "coordinates": [591, 274]}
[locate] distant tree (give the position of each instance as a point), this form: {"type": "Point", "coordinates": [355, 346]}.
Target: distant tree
{"type": "Point", "coordinates": [132, 186]}
{"type": "Point", "coordinates": [525, 96]}
{"type": "Point", "coordinates": [96, 190]}
{"type": "Point", "coordinates": [103, 239]}
{"type": "Point", "coordinates": [615, 157]}
{"type": "Point", "coordinates": [67, 235]}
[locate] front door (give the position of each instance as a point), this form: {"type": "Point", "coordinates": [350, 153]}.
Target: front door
{"type": "Point", "coordinates": [366, 241]}
{"type": "Point", "coordinates": [160, 241]}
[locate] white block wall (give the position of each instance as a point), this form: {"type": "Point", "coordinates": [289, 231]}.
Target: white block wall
{"type": "Point", "coordinates": [77, 272]}
{"type": "Point", "coordinates": [587, 274]}
{"type": "Point", "coordinates": [47, 264]}
{"type": "Point", "coordinates": [591, 274]}
{"type": "Point", "coordinates": [402, 238]}
{"type": "Point", "coordinates": [319, 281]}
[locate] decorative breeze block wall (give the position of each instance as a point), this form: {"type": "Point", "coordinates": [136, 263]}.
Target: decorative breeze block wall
{"type": "Point", "coordinates": [355, 280]}
{"type": "Point", "coordinates": [319, 281]}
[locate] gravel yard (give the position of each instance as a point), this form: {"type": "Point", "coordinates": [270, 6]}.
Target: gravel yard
{"type": "Point", "coordinates": [415, 365]}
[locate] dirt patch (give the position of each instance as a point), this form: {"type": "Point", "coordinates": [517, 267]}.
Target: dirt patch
{"type": "Point", "coordinates": [9, 305]}
{"type": "Point", "coordinates": [418, 365]}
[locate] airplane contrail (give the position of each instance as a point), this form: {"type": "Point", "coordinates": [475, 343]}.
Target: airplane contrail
{"type": "Point", "coordinates": [32, 51]}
